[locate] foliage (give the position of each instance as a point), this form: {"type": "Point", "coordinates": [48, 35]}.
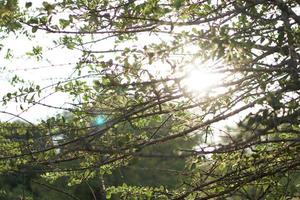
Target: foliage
{"type": "Point", "coordinates": [135, 58]}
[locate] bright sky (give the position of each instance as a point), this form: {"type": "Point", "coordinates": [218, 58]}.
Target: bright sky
{"type": "Point", "coordinates": [57, 64]}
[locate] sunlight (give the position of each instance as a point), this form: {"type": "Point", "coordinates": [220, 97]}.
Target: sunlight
{"type": "Point", "coordinates": [202, 80]}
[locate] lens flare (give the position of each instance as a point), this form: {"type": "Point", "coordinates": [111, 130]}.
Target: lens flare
{"type": "Point", "coordinates": [100, 120]}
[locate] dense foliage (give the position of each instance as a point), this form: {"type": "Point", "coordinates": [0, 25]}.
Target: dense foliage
{"type": "Point", "coordinates": [129, 96]}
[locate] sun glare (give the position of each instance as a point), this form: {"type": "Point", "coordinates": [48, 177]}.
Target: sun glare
{"type": "Point", "coordinates": [200, 80]}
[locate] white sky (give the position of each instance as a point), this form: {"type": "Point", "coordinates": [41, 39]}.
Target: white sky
{"type": "Point", "coordinates": [45, 73]}
{"type": "Point", "coordinates": [40, 72]}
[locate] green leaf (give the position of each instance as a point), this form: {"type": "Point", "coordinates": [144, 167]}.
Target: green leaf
{"type": "Point", "coordinates": [64, 23]}
{"type": "Point", "coordinates": [34, 29]}
{"type": "Point", "coordinates": [28, 4]}
{"type": "Point", "coordinates": [178, 3]}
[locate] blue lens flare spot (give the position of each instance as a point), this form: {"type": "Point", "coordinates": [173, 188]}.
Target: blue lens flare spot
{"type": "Point", "coordinates": [100, 120]}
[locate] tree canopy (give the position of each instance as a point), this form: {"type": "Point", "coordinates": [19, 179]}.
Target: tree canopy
{"type": "Point", "coordinates": [130, 95]}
